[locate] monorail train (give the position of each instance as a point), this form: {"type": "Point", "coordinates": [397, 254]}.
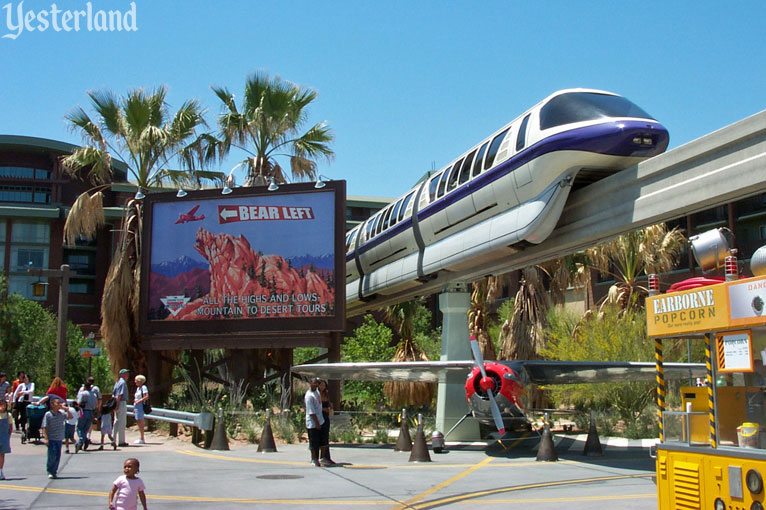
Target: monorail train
{"type": "Point", "coordinates": [508, 189]}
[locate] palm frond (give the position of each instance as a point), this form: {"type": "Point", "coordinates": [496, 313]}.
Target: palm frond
{"type": "Point", "coordinates": [107, 105]}
{"type": "Point", "coordinates": [97, 161]}
{"type": "Point", "coordinates": [84, 218]}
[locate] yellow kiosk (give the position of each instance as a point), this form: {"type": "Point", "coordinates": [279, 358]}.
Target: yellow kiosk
{"type": "Point", "coordinates": [712, 453]}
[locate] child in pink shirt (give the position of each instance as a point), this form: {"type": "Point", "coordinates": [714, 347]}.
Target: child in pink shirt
{"type": "Point", "coordinates": [128, 488]}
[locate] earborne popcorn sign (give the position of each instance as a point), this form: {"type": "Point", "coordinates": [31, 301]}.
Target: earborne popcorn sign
{"type": "Point", "coordinates": [713, 308]}
{"type": "Point", "coordinates": [690, 311]}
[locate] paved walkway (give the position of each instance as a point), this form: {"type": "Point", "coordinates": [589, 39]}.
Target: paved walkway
{"type": "Point", "coordinates": [179, 475]}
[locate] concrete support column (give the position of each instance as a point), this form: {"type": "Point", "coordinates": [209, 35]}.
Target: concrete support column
{"type": "Point", "coordinates": [451, 405]}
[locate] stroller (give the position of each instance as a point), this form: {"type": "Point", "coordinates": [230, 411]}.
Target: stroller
{"type": "Point", "coordinates": [35, 416]}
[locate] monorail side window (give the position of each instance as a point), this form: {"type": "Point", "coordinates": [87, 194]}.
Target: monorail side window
{"type": "Point", "coordinates": [521, 139]}
{"type": "Point", "coordinates": [465, 171]}
{"type": "Point", "coordinates": [443, 183]}
{"type": "Point", "coordinates": [493, 148]}
{"type": "Point", "coordinates": [583, 106]}
{"type": "Point", "coordinates": [395, 213]}
{"type": "Point", "coordinates": [432, 188]}
{"type": "Point", "coordinates": [376, 226]}
{"type": "Point", "coordinates": [386, 218]}
{"type": "Point", "coordinates": [404, 205]}
{"type": "Point", "coordinates": [379, 223]}
{"type": "Point", "coordinates": [367, 229]}
{"type": "Point", "coordinates": [479, 158]}
{"type": "Point", "coordinates": [454, 175]}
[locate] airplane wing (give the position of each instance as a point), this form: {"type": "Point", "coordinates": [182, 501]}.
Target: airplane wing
{"type": "Point", "coordinates": [578, 372]}
{"type": "Point", "coordinates": [193, 210]}
{"type": "Point", "coordinates": [535, 371]}
{"type": "Point", "coordinates": [405, 371]}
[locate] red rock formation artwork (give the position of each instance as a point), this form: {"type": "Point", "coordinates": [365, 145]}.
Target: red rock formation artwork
{"type": "Point", "coordinates": [246, 284]}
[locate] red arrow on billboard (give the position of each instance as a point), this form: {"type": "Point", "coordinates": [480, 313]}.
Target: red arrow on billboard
{"type": "Point", "coordinates": [228, 213]}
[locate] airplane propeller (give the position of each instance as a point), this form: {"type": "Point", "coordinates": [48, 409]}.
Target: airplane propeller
{"type": "Point", "coordinates": [487, 384]}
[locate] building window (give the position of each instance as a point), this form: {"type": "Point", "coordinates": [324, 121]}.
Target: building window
{"type": "Point", "coordinates": [24, 258]}
{"type": "Point", "coordinates": [30, 232]}
{"type": "Point", "coordinates": [81, 263]}
{"type": "Point", "coordinates": [2, 245]}
{"type": "Point", "coordinates": [27, 194]}
{"type": "Point", "coordinates": [30, 242]}
{"type": "Point", "coordinates": [81, 287]}
{"type": "Point", "coordinates": [16, 172]}
{"type": "Point", "coordinates": [22, 285]}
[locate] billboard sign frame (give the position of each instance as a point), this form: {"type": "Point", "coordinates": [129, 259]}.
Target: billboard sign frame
{"type": "Point", "coordinates": [248, 331]}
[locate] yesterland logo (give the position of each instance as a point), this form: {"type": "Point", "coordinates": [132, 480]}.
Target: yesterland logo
{"type": "Point", "coordinates": [20, 19]}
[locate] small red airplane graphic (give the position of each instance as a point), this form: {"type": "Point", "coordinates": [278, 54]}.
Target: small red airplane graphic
{"type": "Point", "coordinates": [183, 218]}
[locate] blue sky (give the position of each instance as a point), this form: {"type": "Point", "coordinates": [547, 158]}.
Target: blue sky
{"type": "Point", "coordinates": [402, 84]}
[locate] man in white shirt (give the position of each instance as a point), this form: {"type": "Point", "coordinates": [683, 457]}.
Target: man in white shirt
{"type": "Point", "coordinates": [120, 393]}
{"type": "Point", "coordinates": [314, 419]}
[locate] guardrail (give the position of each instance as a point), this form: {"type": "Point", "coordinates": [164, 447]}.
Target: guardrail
{"type": "Point", "coordinates": [202, 421]}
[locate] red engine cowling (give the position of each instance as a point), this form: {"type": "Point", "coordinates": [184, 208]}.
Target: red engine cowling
{"type": "Point", "coordinates": [507, 387]}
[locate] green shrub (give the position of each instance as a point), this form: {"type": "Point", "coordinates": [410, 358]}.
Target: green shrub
{"type": "Point", "coordinates": [349, 436]}
{"type": "Point", "coordinates": [381, 436]}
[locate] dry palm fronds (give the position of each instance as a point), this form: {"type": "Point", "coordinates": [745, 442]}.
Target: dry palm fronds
{"type": "Point", "coordinates": [522, 336]}
{"type": "Point", "coordinates": [401, 316]}
{"type": "Point", "coordinates": [119, 305]}
{"type": "Point", "coordinates": [117, 325]}
{"type": "Point", "coordinates": [86, 215]}
{"type": "Point", "coordinates": [484, 292]}
{"type": "Point", "coordinates": [406, 393]}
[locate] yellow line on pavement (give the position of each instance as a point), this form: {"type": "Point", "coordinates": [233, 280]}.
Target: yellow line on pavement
{"type": "Point", "coordinates": [562, 500]}
{"type": "Point", "coordinates": [479, 494]}
{"type": "Point", "coordinates": [444, 484]}
{"type": "Point", "coordinates": [21, 488]}
{"type": "Point", "coordinates": [239, 459]}
{"type": "Point", "coordinates": [415, 465]}
{"type": "Point", "coordinates": [199, 499]}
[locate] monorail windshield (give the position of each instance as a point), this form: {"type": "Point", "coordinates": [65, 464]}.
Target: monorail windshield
{"type": "Point", "coordinates": [583, 106]}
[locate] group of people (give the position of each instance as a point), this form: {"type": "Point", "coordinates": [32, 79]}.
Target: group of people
{"type": "Point", "coordinates": [318, 412]}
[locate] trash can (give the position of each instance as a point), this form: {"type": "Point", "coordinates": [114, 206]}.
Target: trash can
{"type": "Point", "coordinates": [748, 435]}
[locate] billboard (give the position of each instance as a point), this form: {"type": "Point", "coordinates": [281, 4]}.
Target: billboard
{"type": "Point", "coordinates": [249, 262]}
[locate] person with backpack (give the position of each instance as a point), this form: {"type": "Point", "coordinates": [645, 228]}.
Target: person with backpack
{"type": "Point", "coordinates": [87, 402]}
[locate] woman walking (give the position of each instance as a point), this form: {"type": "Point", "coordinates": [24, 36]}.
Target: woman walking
{"type": "Point", "coordinates": [141, 396]}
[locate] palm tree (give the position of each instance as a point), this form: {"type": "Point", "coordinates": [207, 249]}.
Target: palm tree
{"type": "Point", "coordinates": [139, 130]}
{"type": "Point", "coordinates": [401, 317]}
{"type": "Point", "coordinates": [267, 126]}
{"type": "Point", "coordinates": [484, 292]}
{"type": "Point", "coordinates": [653, 249]}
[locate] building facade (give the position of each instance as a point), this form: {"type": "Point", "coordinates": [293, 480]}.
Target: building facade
{"type": "Point", "coordinates": [35, 197]}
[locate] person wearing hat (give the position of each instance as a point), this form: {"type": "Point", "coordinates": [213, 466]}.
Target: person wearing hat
{"type": "Point", "coordinates": [120, 394]}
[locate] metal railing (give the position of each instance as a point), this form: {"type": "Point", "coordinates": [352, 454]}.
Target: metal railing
{"type": "Point", "coordinates": [202, 421]}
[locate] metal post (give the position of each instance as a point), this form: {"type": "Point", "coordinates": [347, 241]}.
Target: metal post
{"type": "Point", "coordinates": [711, 390]}
{"type": "Point", "coordinates": [63, 275]}
{"type": "Point", "coordinates": [62, 322]}
{"type": "Point", "coordinates": [660, 386]}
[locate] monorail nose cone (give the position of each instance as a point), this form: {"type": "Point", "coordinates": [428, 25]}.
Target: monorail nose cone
{"type": "Point", "coordinates": [487, 383]}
